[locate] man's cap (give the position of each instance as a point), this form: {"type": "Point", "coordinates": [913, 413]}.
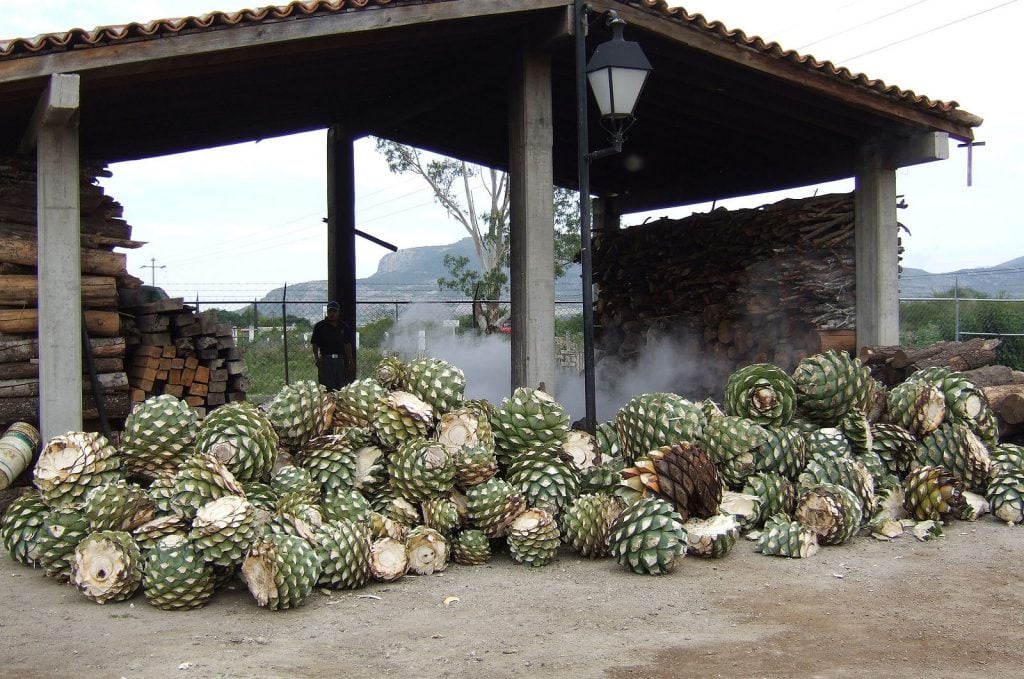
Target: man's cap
{"type": "Point", "coordinates": [333, 305]}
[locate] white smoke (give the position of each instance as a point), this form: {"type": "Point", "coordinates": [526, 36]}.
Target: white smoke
{"type": "Point", "coordinates": [666, 364]}
{"type": "Point", "coordinates": [485, 360]}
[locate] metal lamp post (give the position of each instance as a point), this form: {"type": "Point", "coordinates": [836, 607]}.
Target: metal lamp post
{"type": "Point", "coordinates": [616, 72]}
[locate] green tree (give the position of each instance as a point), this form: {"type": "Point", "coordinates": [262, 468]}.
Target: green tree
{"type": "Point", "coordinates": [457, 186]}
{"type": "Point", "coordinates": [238, 318]}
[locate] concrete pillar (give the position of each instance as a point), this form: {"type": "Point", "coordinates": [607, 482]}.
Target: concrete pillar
{"type": "Point", "coordinates": [54, 132]}
{"type": "Point", "coordinates": [532, 223]}
{"type": "Point", "coordinates": [877, 260]}
{"type": "Point", "coordinates": [341, 226]}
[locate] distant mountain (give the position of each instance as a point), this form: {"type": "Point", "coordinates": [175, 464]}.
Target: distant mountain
{"type": "Point", "coordinates": [409, 275]}
{"type": "Point", "coordinates": [1006, 279]}
{"type": "Point", "coordinates": [424, 265]}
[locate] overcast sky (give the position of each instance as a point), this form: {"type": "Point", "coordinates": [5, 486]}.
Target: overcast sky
{"type": "Point", "coordinates": [233, 222]}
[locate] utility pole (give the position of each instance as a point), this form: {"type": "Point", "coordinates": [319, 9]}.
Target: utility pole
{"type": "Point", "coordinates": [152, 269]}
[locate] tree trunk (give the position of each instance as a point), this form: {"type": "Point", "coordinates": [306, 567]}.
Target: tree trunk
{"type": "Point", "coordinates": [954, 355]}
{"type": "Point", "coordinates": [27, 407]}
{"type": "Point", "coordinates": [30, 369]}
{"type": "Point", "coordinates": [993, 375]}
{"type": "Point", "coordinates": [15, 349]}
{"type": "Point", "coordinates": [23, 321]}
{"type": "Point", "coordinates": [877, 354]}
{"type": "Point", "coordinates": [30, 387]}
{"type": "Point", "coordinates": [23, 291]}
{"type": "Point", "coordinates": [16, 250]}
{"type": "Point", "coordinates": [1007, 401]}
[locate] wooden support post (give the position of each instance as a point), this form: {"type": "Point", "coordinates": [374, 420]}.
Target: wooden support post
{"type": "Point", "coordinates": [341, 229]}
{"type": "Point", "coordinates": [531, 225]}
{"type": "Point", "coordinates": [54, 133]}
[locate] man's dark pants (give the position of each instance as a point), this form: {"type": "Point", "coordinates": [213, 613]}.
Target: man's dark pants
{"type": "Point", "coordinates": [330, 372]}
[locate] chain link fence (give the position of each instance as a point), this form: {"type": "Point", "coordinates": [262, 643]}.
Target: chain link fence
{"type": "Point", "coordinates": [274, 336]}
{"type": "Point", "coordinates": [963, 306]}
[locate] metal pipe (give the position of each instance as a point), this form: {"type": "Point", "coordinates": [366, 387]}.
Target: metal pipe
{"type": "Point", "coordinates": [583, 167]}
{"type": "Point", "coordinates": [94, 380]}
{"type": "Point", "coordinates": [956, 296]}
{"type": "Point", "coordinates": [284, 329]}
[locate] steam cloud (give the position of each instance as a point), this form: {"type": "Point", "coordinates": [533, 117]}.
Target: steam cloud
{"type": "Point", "coordinates": [669, 364]}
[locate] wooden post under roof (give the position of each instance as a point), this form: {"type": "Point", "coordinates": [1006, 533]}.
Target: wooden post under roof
{"type": "Point", "coordinates": [532, 222]}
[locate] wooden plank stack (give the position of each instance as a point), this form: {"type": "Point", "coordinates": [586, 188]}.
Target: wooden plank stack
{"type": "Point", "coordinates": [104, 276]}
{"type": "Point", "coordinates": [772, 284]}
{"type": "Point", "coordinates": [174, 350]}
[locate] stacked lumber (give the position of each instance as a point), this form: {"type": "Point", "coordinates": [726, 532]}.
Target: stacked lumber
{"type": "Point", "coordinates": [174, 350]}
{"type": "Point", "coordinates": [19, 379]}
{"type": "Point", "coordinates": [103, 276]}
{"type": "Point", "coordinates": [1002, 386]}
{"type": "Point", "coordinates": [102, 230]}
{"type": "Point", "coordinates": [772, 284]}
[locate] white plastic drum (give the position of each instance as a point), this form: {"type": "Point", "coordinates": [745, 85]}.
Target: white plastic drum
{"type": "Point", "coordinates": [17, 447]}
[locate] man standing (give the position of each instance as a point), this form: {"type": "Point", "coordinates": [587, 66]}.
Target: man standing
{"type": "Point", "coordinates": [332, 348]}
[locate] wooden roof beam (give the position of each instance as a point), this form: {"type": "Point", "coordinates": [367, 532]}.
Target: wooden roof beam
{"type": "Point", "coordinates": [261, 35]}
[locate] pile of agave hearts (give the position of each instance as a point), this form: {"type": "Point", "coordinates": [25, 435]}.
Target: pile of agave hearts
{"type": "Point", "coordinates": [400, 474]}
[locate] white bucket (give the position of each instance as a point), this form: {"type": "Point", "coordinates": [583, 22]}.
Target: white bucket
{"type": "Point", "coordinates": [17, 447]}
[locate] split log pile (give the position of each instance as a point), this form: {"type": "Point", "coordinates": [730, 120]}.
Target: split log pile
{"type": "Point", "coordinates": [771, 284]}
{"type": "Point", "coordinates": [892, 365]}
{"type": "Point", "coordinates": [975, 358]}
{"type": "Point", "coordinates": [104, 275]}
{"type": "Point", "coordinates": [174, 350]}
{"type": "Point", "coordinates": [19, 379]}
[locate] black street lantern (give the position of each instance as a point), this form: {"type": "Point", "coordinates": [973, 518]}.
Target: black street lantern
{"type": "Point", "coordinates": [617, 72]}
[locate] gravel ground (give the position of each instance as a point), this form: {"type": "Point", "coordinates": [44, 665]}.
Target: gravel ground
{"type": "Point", "coordinates": [953, 607]}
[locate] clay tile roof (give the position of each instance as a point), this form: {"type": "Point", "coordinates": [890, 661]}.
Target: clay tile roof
{"type": "Point", "coordinates": [78, 38]}
{"type": "Point", "coordinates": [775, 50]}
{"type": "Point", "coordinates": [158, 28]}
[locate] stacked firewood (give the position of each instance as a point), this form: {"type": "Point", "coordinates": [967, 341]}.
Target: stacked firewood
{"type": "Point", "coordinates": [174, 350]}
{"type": "Point", "coordinates": [975, 358]}
{"type": "Point", "coordinates": [892, 365]}
{"type": "Point", "coordinates": [772, 284]}
{"type": "Point", "coordinates": [103, 276]}
{"type": "Point", "coordinates": [19, 379]}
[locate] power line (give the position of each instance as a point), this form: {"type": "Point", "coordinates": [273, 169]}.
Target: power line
{"type": "Point", "coordinates": [861, 25]}
{"type": "Point", "coordinates": [930, 30]}
{"type": "Point", "coordinates": [275, 239]}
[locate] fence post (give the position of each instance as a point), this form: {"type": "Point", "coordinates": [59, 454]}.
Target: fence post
{"type": "Point", "coordinates": [396, 312]}
{"type": "Point", "coordinates": [956, 303]}
{"type": "Point", "coordinates": [255, 320]}
{"type": "Point", "coordinates": [284, 329]}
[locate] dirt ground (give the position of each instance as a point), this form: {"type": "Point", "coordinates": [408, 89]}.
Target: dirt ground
{"type": "Point", "coordinates": [948, 608]}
